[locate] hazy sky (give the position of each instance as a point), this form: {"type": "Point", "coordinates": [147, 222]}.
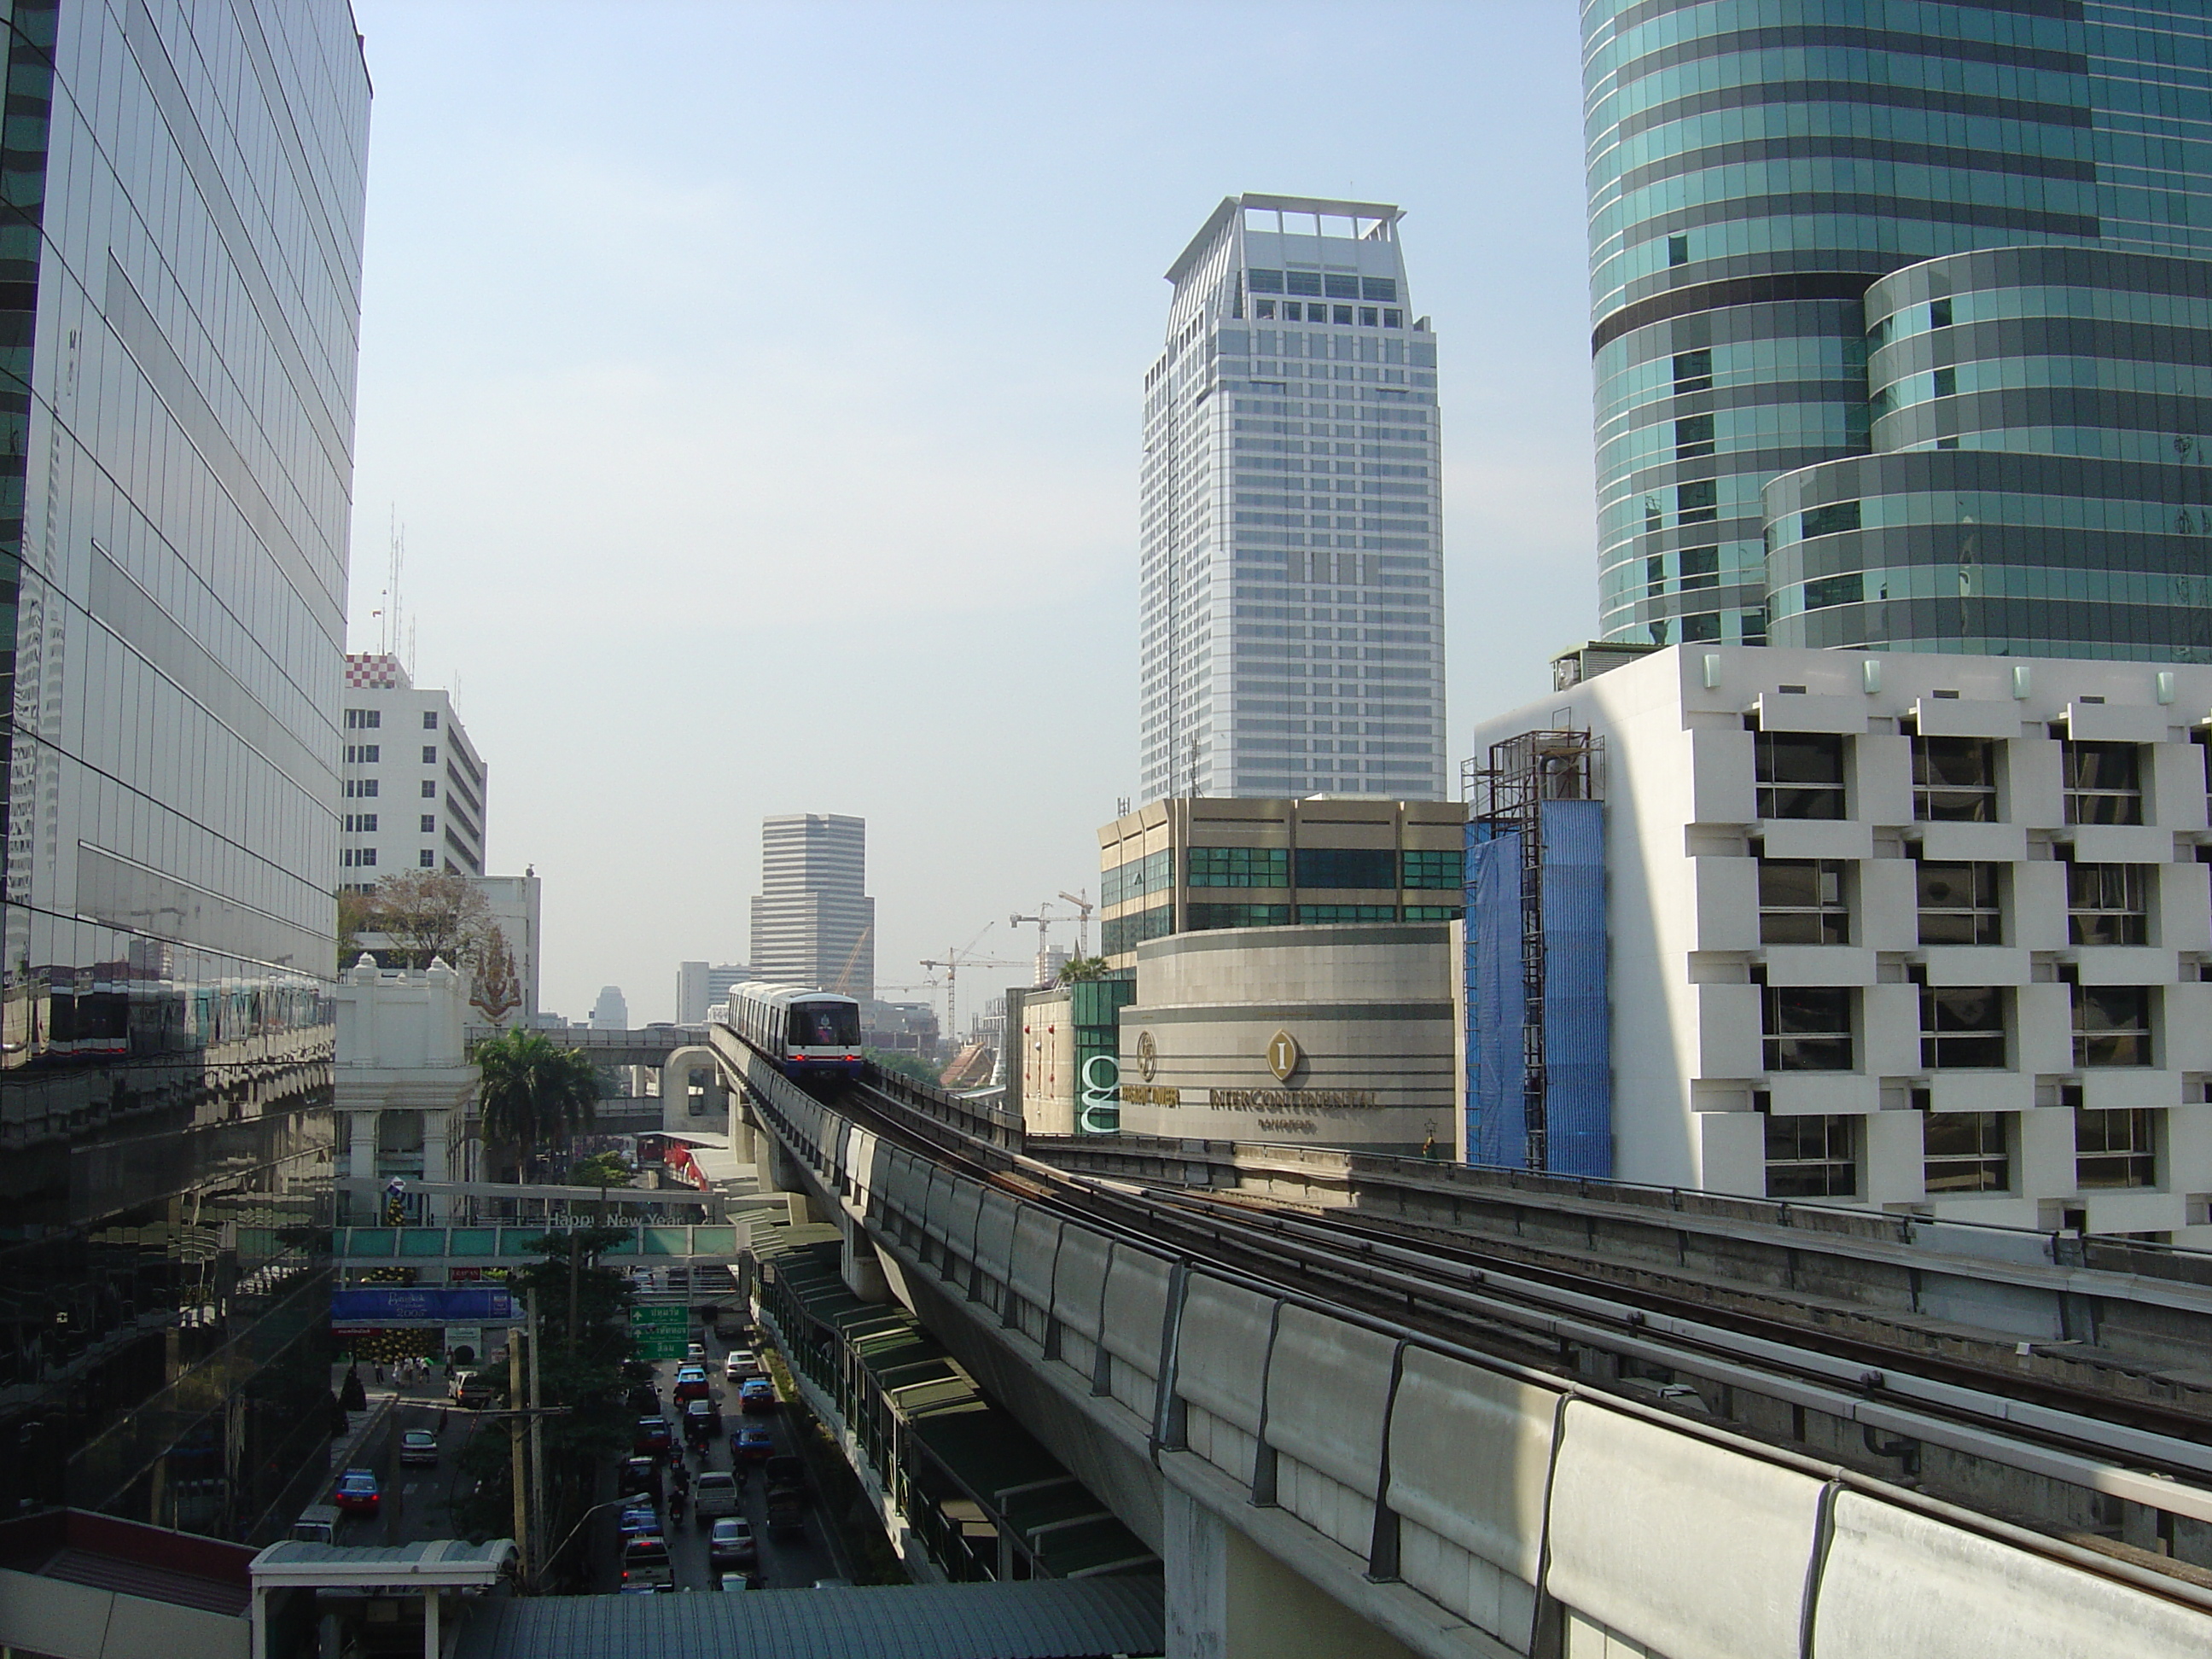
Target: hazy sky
{"type": "Point", "coordinates": [759, 388]}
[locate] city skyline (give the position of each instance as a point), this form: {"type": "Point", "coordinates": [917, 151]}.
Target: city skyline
{"type": "Point", "coordinates": [917, 531]}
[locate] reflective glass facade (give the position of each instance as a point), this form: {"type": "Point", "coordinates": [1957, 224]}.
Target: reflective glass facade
{"type": "Point", "coordinates": [1757, 166]}
{"type": "Point", "coordinates": [1292, 570]}
{"type": "Point", "coordinates": [180, 223]}
{"type": "Point", "coordinates": [2038, 486]}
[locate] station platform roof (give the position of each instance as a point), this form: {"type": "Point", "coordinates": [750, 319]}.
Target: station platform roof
{"type": "Point", "coordinates": [1041, 1619]}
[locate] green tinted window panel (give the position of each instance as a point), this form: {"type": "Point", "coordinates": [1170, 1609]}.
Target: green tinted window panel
{"type": "Point", "coordinates": [422, 1241]}
{"type": "Point", "coordinates": [1240, 867]}
{"type": "Point", "coordinates": [369, 1242]}
{"type": "Point", "coordinates": [1310, 914]}
{"type": "Point", "coordinates": [713, 1241]}
{"type": "Point", "coordinates": [1431, 867]}
{"type": "Point", "coordinates": [1347, 867]}
{"type": "Point", "coordinates": [472, 1241]}
{"type": "Point", "coordinates": [1434, 911]}
{"type": "Point", "coordinates": [516, 1240]}
{"type": "Point", "coordinates": [1204, 918]}
{"type": "Point", "coordinates": [666, 1241]}
{"type": "Point", "coordinates": [626, 1245]}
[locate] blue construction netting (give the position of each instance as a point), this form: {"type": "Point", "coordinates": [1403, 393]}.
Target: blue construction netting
{"type": "Point", "coordinates": [1497, 1115]}
{"type": "Point", "coordinates": [1577, 1026]}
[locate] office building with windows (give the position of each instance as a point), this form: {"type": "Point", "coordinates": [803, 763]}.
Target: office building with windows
{"type": "Point", "coordinates": [813, 923]}
{"type": "Point", "coordinates": [701, 985]}
{"type": "Point", "coordinates": [415, 787]}
{"type": "Point", "coordinates": [1902, 325]}
{"type": "Point", "coordinates": [1196, 865]}
{"type": "Point", "coordinates": [1918, 932]}
{"type": "Point", "coordinates": [180, 236]}
{"type": "Point", "coordinates": [1291, 572]}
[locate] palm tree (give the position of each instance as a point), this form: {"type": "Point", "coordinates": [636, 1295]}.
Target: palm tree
{"type": "Point", "coordinates": [533, 1094]}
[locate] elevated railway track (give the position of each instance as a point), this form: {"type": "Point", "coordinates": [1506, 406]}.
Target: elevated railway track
{"type": "Point", "coordinates": [1335, 1384]}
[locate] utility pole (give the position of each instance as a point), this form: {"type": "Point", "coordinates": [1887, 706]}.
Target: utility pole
{"type": "Point", "coordinates": [537, 1430]}
{"type": "Point", "coordinates": [514, 1433]}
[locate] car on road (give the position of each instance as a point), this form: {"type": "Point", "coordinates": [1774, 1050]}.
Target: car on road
{"type": "Point", "coordinates": [833, 1583]}
{"type": "Point", "coordinates": [638, 1519]}
{"type": "Point", "coordinates": [645, 1563]}
{"type": "Point", "coordinates": [714, 1494]}
{"type": "Point", "coordinates": [469, 1390]}
{"type": "Point", "coordinates": [642, 1474]}
{"type": "Point", "coordinates": [691, 1383]}
{"type": "Point", "coordinates": [357, 1493]}
{"type": "Point", "coordinates": [653, 1437]}
{"type": "Point", "coordinates": [736, 1584]}
{"type": "Point", "coordinates": [643, 1400]}
{"type": "Point", "coordinates": [739, 1364]}
{"type": "Point", "coordinates": [696, 1353]}
{"type": "Point", "coordinates": [418, 1449]}
{"type": "Point", "coordinates": [759, 1394]}
{"type": "Point", "coordinates": [703, 1418]}
{"type": "Point", "coordinates": [752, 1444]}
{"type": "Point", "coordinates": [731, 1544]}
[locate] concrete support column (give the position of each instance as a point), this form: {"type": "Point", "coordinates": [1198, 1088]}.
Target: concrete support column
{"type": "Point", "coordinates": [742, 1139]}
{"type": "Point", "coordinates": [1229, 1599]}
{"type": "Point", "coordinates": [771, 1165]}
{"type": "Point", "coordinates": [859, 1265]}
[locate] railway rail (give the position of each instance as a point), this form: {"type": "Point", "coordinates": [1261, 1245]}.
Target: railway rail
{"type": "Point", "coordinates": [1396, 1276]}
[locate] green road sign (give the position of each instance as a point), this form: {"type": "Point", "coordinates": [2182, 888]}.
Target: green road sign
{"type": "Point", "coordinates": [659, 1330]}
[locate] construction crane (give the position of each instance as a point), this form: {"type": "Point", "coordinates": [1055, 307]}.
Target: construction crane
{"type": "Point", "coordinates": [844, 986]}
{"type": "Point", "coordinates": [955, 958]}
{"type": "Point", "coordinates": [1044, 920]}
{"type": "Point", "coordinates": [1084, 906]}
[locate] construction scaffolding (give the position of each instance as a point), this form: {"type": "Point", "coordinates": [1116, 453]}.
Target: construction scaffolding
{"type": "Point", "coordinates": [1540, 1072]}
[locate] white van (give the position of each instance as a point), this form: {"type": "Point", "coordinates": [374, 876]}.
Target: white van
{"type": "Point", "coordinates": [318, 1525]}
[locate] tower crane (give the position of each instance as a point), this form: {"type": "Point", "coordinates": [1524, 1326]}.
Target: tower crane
{"type": "Point", "coordinates": [1044, 920]}
{"type": "Point", "coordinates": [955, 959]}
{"type": "Point", "coordinates": [1084, 906]}
{"type": "Point", "coordinates": [844, 986]}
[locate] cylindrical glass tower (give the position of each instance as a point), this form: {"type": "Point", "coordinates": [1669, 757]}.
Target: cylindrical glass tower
{"type": "Point", "coordinates": [1755, 167]}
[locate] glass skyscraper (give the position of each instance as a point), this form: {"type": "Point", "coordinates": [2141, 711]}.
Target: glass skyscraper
{"type": "Point", "coordinates": [1903, 324]}
{"type": "Point", "coordinates": [181, 227]}
{"type": "Point", "coordinates": [1291, 573]}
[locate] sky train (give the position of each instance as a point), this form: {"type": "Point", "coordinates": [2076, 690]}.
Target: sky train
{"type": "Point", "coordinates": [808, 1033]}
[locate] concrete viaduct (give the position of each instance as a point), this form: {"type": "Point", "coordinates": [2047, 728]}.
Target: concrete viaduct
{"type": "Point", "coordinates": [1323, 1477]}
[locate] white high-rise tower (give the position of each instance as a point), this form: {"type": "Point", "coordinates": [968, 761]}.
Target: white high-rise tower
{"type": "Point", "coordinates": [813, 923]}
{"type": "Point", "coordinates": [1292, 576]}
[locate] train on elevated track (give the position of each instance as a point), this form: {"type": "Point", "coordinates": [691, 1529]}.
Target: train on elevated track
{"type": "Point", "coordinates": [807, 1034]}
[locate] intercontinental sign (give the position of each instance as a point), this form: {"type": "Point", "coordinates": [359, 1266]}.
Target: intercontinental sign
{"type": "Point", "coordinates": [1292, 1100]}
{"type": "Point", "coordinates": [1257, 1100]}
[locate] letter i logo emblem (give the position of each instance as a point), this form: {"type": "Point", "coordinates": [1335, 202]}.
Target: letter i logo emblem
{"type": "Point", "coordinates": [1283, 1055]}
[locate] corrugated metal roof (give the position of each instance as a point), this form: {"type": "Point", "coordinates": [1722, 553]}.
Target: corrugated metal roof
{"type": "Point", "coordinates": [1044, 1619]}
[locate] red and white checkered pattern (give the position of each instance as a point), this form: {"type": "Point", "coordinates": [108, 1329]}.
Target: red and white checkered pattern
{"type": "Point", "coordinates": [373, 670]}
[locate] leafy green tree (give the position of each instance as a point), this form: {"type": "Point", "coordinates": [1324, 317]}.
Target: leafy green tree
{"type": "Point", "coordinates": [583, 1322]}
{"type": "Point", "coordinates": [906, 1065]}
{"type": "Point", "coordinates": [534, 1095]}
{"type": "Point", "coordinates": [1076, 969]}
{"type": "Point", "coordinates": [601, 1170]}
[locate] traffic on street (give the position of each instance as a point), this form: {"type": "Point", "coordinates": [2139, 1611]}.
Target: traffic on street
{"type": "Point", "coordinates": [714, 1475]}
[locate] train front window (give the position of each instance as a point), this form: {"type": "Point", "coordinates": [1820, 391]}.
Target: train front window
{"type": "Point", "coordinates": [825, 1025]}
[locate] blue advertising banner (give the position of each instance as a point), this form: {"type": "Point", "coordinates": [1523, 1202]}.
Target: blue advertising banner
{"type": "Point", "coordinates": [379, 1307]}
